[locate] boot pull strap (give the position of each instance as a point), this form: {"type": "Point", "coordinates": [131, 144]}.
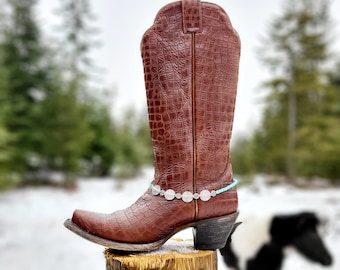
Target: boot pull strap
{"type": "Point", "coordinates": [192, 16]}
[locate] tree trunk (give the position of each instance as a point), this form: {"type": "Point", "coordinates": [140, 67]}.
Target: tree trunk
{"type": "Point", "coordinates": [291, 135]}
{"type": "Point", "coordinates": [174, 255]}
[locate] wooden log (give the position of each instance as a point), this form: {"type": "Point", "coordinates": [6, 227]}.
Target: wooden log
{"type": "Point", "coordinates": [176, 254]}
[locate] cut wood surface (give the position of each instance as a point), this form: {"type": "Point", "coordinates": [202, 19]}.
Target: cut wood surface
{"type": "Point", "coordinates": [176, 254]}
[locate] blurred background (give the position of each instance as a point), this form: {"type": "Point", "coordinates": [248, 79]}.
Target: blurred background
{"type": "Point", "coordinates": [74, 130]}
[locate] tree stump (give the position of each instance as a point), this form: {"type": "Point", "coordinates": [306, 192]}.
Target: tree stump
{"type": "Point", "coordinates": [176, 254]}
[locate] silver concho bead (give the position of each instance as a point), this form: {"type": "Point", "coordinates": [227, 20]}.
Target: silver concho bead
{"type": "Point", "coordinates": [205, 195]}
{"type": "Point", "coordinates": [187, 196]}
{"type": "Point", "coordinates": [169, 194]}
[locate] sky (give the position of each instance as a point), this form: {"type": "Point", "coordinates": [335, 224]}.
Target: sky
{"type": "Point", "coordinates": [122, 24]}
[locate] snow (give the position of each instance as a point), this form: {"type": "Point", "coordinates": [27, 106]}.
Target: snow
{"type": "Point", "coordinates": [32, 235]}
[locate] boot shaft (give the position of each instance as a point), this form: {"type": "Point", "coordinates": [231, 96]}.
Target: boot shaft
{"type": "Point", "coordinates": [190, 57]}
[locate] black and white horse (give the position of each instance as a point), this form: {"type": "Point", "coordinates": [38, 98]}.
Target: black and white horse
{"type": "Point", "coordinates": [260, 244]}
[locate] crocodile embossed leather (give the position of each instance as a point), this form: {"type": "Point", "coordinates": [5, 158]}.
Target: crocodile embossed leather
{"type": "Point", "coordinates": [191, 58]}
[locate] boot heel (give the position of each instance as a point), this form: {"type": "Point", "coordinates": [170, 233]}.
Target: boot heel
{"type": "Point", "coordinates": [212, 233]}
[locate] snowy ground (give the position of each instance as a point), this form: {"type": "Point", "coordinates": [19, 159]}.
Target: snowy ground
{"type": "Point", "coordinates": [32, 236]}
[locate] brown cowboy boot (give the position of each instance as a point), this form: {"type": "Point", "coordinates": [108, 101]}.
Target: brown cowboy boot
{"type": "Point", "coordinates": [190, 56]}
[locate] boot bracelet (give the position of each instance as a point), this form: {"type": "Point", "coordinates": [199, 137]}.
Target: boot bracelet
{"type": "Point", "coordinates": [187, 196]}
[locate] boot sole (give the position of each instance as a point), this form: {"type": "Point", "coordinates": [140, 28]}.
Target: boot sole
{"type": "Point", "coordinates": [209, 234]}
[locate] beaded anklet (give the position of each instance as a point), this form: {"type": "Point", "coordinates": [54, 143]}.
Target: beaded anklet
{"type": "Point", "coordinates": [187, 196]}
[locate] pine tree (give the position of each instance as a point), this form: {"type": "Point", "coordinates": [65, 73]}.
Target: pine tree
{"type": "Point", "coordinates": [26, 79]}
{"type": "Point", "coordinates": [323, 132]}
{"type": "Point", "coordinates": [5, 151]}
{"type": "Point", "coordinates": [89, 121]}
{"type": "Point", "coordinates": [101, 152]}
{"type": "Point", "coordinates": [296, 51]}
{"type": "Point", "coordinates": [77, 42]}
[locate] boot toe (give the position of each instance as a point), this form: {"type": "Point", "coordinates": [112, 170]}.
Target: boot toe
{"type": "Point", "coordinates": [83, 220]}
{"type": "Point", "coordinates": [98, 224]}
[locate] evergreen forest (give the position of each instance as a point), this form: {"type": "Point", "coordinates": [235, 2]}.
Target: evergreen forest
{"type": "Point", "coordinates": [56, 125]}
{"type": "Point", "coordinates": [299, 134]}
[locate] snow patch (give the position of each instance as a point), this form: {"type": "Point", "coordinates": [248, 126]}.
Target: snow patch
{"type": "Point", "coordinates": [32, 235]}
